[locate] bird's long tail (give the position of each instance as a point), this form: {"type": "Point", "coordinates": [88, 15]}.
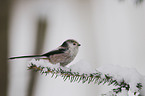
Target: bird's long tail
{"type": "Point", "coordinates": [25, 56]}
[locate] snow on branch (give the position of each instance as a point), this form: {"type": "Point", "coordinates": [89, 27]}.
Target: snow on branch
{"type": "Point", "coordinates": [81, 72]}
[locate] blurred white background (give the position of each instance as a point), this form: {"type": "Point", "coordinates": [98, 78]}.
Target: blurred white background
{"type": "Point", "coordinates": [110, 32]}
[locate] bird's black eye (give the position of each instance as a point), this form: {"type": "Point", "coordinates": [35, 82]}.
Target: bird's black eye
{"type": "Point", "coordinates": [74, 43]}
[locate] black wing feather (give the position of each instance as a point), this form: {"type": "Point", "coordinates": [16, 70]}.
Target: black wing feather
{"type": "Point", "coordinates": [59, 51]}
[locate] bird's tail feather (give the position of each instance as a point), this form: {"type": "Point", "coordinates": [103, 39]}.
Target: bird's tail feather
{"type": "Point", "coordinates": [25, 56]}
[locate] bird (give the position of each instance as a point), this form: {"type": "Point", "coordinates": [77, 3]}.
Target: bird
{"type": "Point", "coordinates": [63, 55]}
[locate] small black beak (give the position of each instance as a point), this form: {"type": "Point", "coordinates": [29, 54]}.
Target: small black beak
{"type": "Point", "coordinates": [79, 44]}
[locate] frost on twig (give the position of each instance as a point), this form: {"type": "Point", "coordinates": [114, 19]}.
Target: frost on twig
{"type": "Point", "coordinates": [81, 72]}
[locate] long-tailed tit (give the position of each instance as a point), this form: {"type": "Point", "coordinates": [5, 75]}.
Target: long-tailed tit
{"type": "Point", "coordinates": [64, 54]}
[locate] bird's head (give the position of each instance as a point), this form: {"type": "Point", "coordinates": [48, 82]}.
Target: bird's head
{"type": "Point", "coordinates": [70, 43]}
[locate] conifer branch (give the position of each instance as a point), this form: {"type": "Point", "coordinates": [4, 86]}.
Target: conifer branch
{"type": "Point", "coordinates": [77, 77]}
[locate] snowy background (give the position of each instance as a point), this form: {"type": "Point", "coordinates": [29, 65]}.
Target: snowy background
{"type": "Point", "coordinates": [110, 32]}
